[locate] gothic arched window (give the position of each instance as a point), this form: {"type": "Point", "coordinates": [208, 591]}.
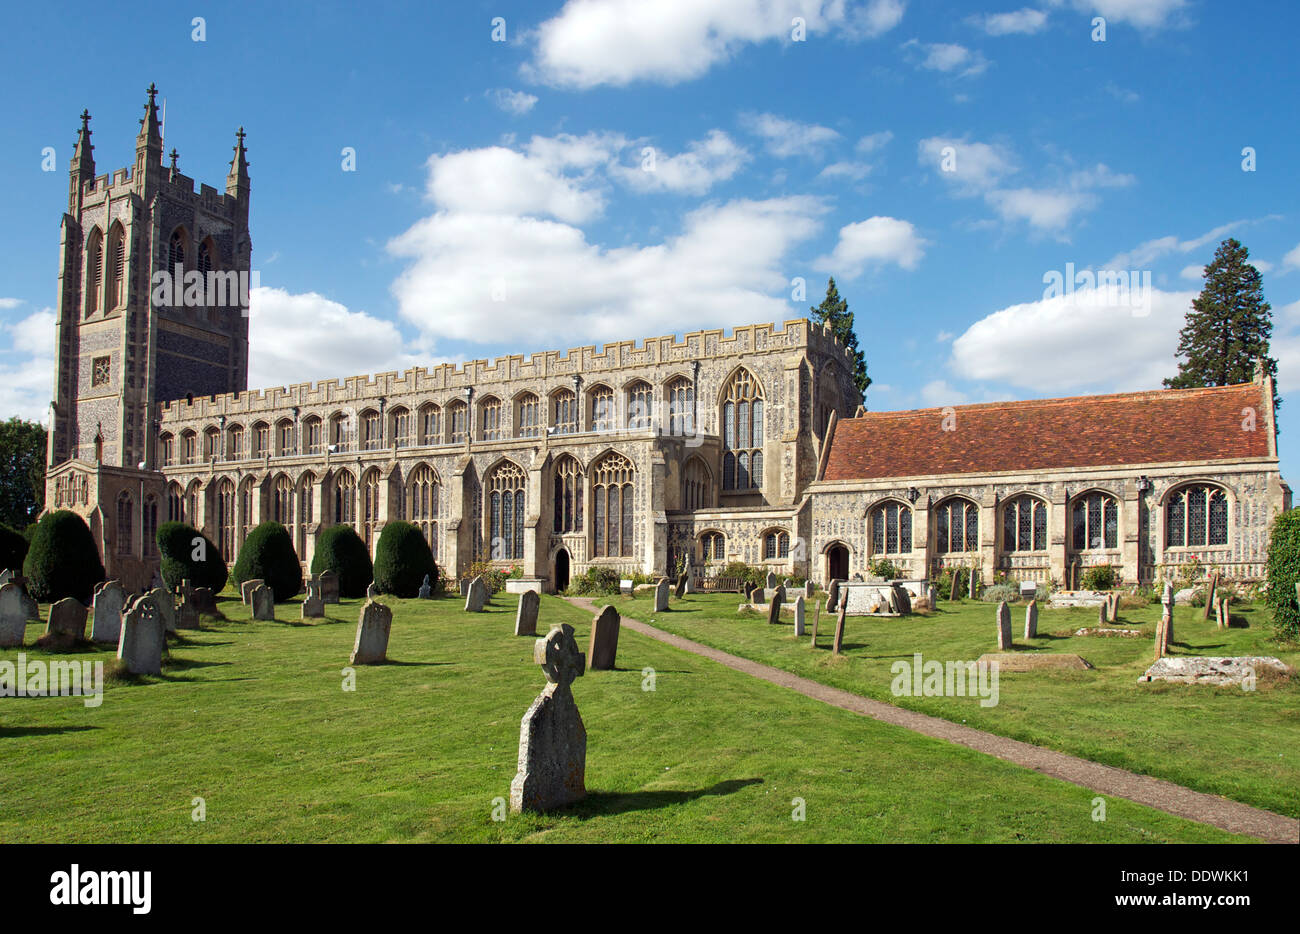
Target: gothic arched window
{"type": "Point", "coordinates": [431, 425]}
{"type": "Point", "coordinates": [742, 433]}
{"type": "Point", "coordinates": [613, 511]}
{"type": "Point", "coordinates": [94, 271]}
{"type": "Point", "coordinates": [422, 504]}
{"type": "Point", "coordinates": [1196, 516]}
{"type": "Point", "coordinates": [681, 407]}
{"type": "Point", "coordinates": [505, 496]}
{"type": "Point", "coordinates": [713, 547]}
{"type": "Point", "coordinates": [282, 501]}
{"type": "Point", "coordinates": [1094, 521]}
{"type": "Point", "coordinates": [891, 529]}
{"type": "Point", "coordinates": [697, 485]}
{"type": "Point", "coordinates": [640, 402]}
{"type": "Point", "coordinates": [116, 267]}
{"type": "Point", "coordinates": [602, 409]}
{"type": "Point", "coordinates": [1024, 524]}
{"type": "Point", "coordinates": [345, 498]}
{"type": "Point", "coordinates": [565, 412]}
{"type": "Point", "coordinates": [125, 512]}
{"type": "Point", "coordinates": [176, 256]}
{"type": "Point", "coordinates": [369, 506]}
{"type": "Point", "coordinates": [528, 416]}
{"type": "Point", "coordinates": [457, 421]}
{"type": "Point", "coordinates": [149, 526]}
{"type": "Point", "coordinates": [226, 518]}
{"type": "Point", "coordinates": [957, 526]}
{"type": "Point", "coordinates": [776, 544]}
{"type": "Point", "coordinates": [568, 495]}
{"type": "Point", "coordinates": [490, 419]}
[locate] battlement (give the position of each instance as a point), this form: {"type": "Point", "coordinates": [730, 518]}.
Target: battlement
{"type": "Point", "coordinates": [594, 365]}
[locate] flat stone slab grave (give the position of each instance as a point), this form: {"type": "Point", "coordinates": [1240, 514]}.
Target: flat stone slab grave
{"type": "Point", "coordinates": [1107, 631]}
{"type": "Point", "coordinates": [1214, 670]}
{"type": "Point", "coordinates": [1021, 661]}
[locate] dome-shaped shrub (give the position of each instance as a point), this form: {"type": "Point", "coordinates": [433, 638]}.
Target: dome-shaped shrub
{"type": "Point", "coordinates": [402, 558]}
{"type": "Point", "coordinates": [63, 560]}
{"type": "Point", "coordinates": [268, 555]}
{"type": "Point", "coordinates": [341, 550]}
{"type": "Point", "coordinates": [178, 544]}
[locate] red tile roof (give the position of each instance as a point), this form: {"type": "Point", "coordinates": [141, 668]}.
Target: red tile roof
{"type": "Point", "coordinates": [1083, 431]}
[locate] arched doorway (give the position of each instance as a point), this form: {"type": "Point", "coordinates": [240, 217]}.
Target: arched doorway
{"type": "Point", "coordinates": [561, 570]}
{"type": "Point", "coordinates": [837, 563]}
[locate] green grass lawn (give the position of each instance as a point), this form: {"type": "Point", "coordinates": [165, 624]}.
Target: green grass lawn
{"type": "Point", "coordinates": [1226, 741]}
{"type": "Point", "coordinates": [251, 716]}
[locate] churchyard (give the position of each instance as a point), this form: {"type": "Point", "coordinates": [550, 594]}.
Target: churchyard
{"type": "Point", "coordinates": [255, 727]}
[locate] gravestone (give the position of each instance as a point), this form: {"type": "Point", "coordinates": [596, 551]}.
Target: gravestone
{"type": "Point", "coordinates": [373, 626]}
{"type": "Point", "coordinates": [1004, 625]}
{"type": "Point", "coordinates": [625, 586]}
{"type": "Point", "coordinates": [680, 590]}
{"type": "Point", "coordinates": [263, 598]}
{"type": "Point", "coordinates": [246, 590]}
{"type": "Point", "coordinates": [690, 580]}
{"type": "Point", "coordinates": [838, 643]}
{"type": "Point", "coordinates": [143, 637]}
{"type": "Point", "coordinates": [165, 606]}
{"type": "Point", "coordinates": [372, 591]}
{"type": "Point", "coordinates": [475, 596]}
{"type": "Point", "coordinates": [426, 589]}
{"type": "Point", "coordinates": [463, 583]}
{"type": "Point", "coordinates": [1028, 589]}
{"type": "Point", "coordinates": [817, 615]}
{"type": "Point", "coordinates": [1103, 616]}
{"type": "Point", "coordinates": [106, 610]}
{"type": "Point", "coordinates": [798, 615]}
{"type": "Point", "coordinates": [771, 580]}
{"type": "Point", "coordinates": [313, 605]}
{"type": "Point", "coordinates": [1164, 629]}
{"type": "Point", "coordinates": [7, 576]}
{"type": "Point", "coordinates": [1222, 614]}
{"type": "Point", "coordinates": [974, 584]}
{"type": "Point", "coordinates": [661, 604]}
{"type": "Point", "coordinates": [187, 614]}
{"type": "Point", "coordinates": [1211, 596]}
{"type": "Point", "coordinates": [530, 602]}
{"type": "Point", "coordinates": [552, 739]}
{"type": "Point", "coordinates": [13, 615]}
{"type": "Point", "coordinates": [774, 606]}
{"type": "Point", "coordinates": [1113, 606]}
{"type": "Point", "coordinates": [204, 601]}
{"type": "Point", "coordinates": [1031, 620]}
{"type": "Point", "coordinates": [329, 587]}
{"type": "Point", "coordinates": [603, 649]}
{"type": "Point", "coordinates": [67, 622]}
{"type": "Point", "coordinates": [902, 601]}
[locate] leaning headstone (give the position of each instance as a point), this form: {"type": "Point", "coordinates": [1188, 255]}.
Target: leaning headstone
{"type": "Point", "coordinates": [1223, 615]}
{"type": "Point", "coordinates": [106, 610]}
{"type": "Point", "coordinates": [13, 615]}
{"type": "Point", "coordinates": [373, 626]}
{"type": "Point", "coordinates": [771, 580]}
{"type": "Point", "coordinates": [372, 591]}
{"type": "Point", "coordinates": [1112, 607]}
{"type": "Point", "coordinates": [463, 583]}
{"type": "Point", "coordinates": [1211, 596]}
{"type": "Point", "coordinates": [263, 603]}
{"type": "Point", "coordinates": [661, 603]}
{"type": "Point", "coordinates": [552, 739]}
{"type": "Point", "coordinates": [67, 622]}
{"type": "Point", "coordinates": [526, 616]}
{"type": "Point", "coordinates": [817, 615]}
{"type": "Point", "coordinates": [165, 607]}
{"type": "Point", "coordinates": [329, 587]}
{"type": "Point", "coordinates": [475, 596]}
{"type": "Point", "coordinates": [974, 584]}
{"type": "Point", "coordinates": [1031, 620]}
{"type": "Point", "coordinates": [143, 637]}
{"type": "Point", "coordinates": [833, 596]}
{"type": "Point", "coordinates": [798, 615]}
{"type": "Point", "coordinates": [246, 590]}
{"type": "Point", "coordinates": [426, 589]}
{"type": "Point", "coordinates": [313, 605]}
{"type": "Point", "coordinates": [603, 649]}
{"type": "Point", "coordinates": [680, 590]}
{"type": "Point", "coordinates": [1004, 626]}
{"type": "Point", "coordinates": [774, 606]}
{"type": "Point", "coordinates": [838, 644]}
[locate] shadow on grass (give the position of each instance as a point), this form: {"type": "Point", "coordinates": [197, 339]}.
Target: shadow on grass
{"type": "Point", "coordinates": [600, 803]}
{"type": "Point", "coordinates": [400, 664]}
{"type": "Point", "coordinates": [185, 664]}
{"type": "Point", "coordinates": [17, 731]}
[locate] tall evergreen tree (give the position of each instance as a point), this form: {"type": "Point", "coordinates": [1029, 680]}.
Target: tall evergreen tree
{"type": "Point", "coordinates": [836, 310]}
{"type": "Point", "coordinates": [22, 472]}
{"type": "Point", "coordinates": [1228, 327]}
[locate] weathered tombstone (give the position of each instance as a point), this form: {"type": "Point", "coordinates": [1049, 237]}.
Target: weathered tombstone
{"type": "Point", "coordinates": [603, 648]}
{"type": "Point", "coordinates": [774, 606]}
{"type": "Point", "coordinates": [690, 580]}
{"type": "Point", "coordinates": [143, 637]}
{"type": "Point", "coordinates": [625, 586]}
{"type": "Point", "coordinates": [974, 584]}
{"type": "Point", "coordinates": [1211, 596]}
{"type": "Point", "coordinates": [902, 599]}
{"type": "Point", "coordinates": [526, 616]}
{"type": "Point", "coordinates": [246, 590]}
{"type": "Point", "coordinates": [106, 619]}
{"type": "Point", "coordinates": [329, 587]}
{"type": "Point", "coordinates": [661, 604]}
{"type": "Point", "coordinates": [1167, 617]}
{"type": "Point", "coordinates": [373, 626]}
{"type": "Point", "coordinates": [771, 580]}
{"type": "Point", "coordinates": [372, 591]}
{"type": "Point", "coordinates": [165, 606]}
{"type": "Point", "coordinates": [463, 583]}
{"type": "Point", "coordinates": [798, 615]}
{"type": "Point", "coordinates": [1031, 620]}
{"type": "Point", "coordinates": [1004, 626]}
{"type": "Point", "coordinates": [187, 614]}
{"type": "Point", "coordinates": [1112, 606]}
{"type": "Point", "coordinates": [476, 596]}
{"type": "Point", "coordinates": [838, 643]}
{"type": "Point", "coordinates": [426, 589]}
{"type": "Point", "coordinates": [817, 615]}
{"type": "Point", "coordinates": [1224, 618]}
{"type": "Point", "coordinates": [67, 622]}
{"type": "Point", "coordinates": [263, 603]}
{"type": "Point", "coordinates": [1103, 615]}
{"type": "Point", "coordinates": [313, 605]}
{"type": "Point", "coordinates": [552, 739]}
{"type": "Point", "coordinates": [13, 615]}
{"type": "Point", "coordinates": [204, 600]}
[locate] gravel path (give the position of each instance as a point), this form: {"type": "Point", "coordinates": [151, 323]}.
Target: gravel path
{"type": "Point", "coordinates": [1219, 812]}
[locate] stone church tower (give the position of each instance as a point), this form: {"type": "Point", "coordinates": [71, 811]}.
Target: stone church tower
{"type": "Point", "coordinates": [137, 324]}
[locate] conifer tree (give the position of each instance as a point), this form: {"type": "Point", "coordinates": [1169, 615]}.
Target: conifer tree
{"type": "Point", "coordinates": [836, 310]}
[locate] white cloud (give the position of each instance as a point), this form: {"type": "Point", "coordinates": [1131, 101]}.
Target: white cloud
{"type": "Point", "coordinates": [27, 367]}
{"type": "Point", "coordinates": [7, 303]}
{"type": "Point", "coordinates": [1122, 94]}
{"type": "Point", "coordinates": [876, 241]}
{"type": "Point", "coordinates": [785, 138]}
{"type": "Point", "coordinates": [1026, 21]}
{"type": "Point", "coordinates": [946, 57]}
{"type": "Point", "coordinates": [1147, 253]}
{"type": "Point", "coordinates": [1010, 345]}
{"type": "Point", "coordinates": [1292, 259]}
{"type": "Point", "coordinates": [713, 159]}
{"type": "Point", "coordinates": [513, 102]}
{"type": "Point", "coordinates": [294, 338]}
{"type": "Point", "coordinates": [617, 42]}
{"type": "Point", "coordinates": [1192, 273]}
{"type": "Point", "coordinates": [869, 144]}
{"type": "Point", "coordinates": [939, 392]}
{"type": "Point", "coordinates": [850, 171]}
{"type": "Point", "coordinates": [1042, 208]}
{"type": "Point", "coordinates": [970, 166]}
{"type": "Point", "coordinates": [1145, 14]}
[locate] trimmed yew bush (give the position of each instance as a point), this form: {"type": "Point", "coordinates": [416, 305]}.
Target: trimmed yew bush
{"type": "Point", "coordinates": [268, 555]}
{"type": "Point", "coordinates": [402, 558]}
{"type": "Point", "coordinates": [1283, 572]}
{"type": "Point", "coordinates": [178, 543]}
{"type": "Point", "coordinates": [63, 560]}
{"type": "Point", "coordinates": [341, 550]}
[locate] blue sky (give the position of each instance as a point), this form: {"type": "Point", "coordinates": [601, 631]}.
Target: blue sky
{"type": "Point", "coordinates": [624, 170]}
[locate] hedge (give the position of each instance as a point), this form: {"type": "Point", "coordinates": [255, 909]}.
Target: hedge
{"type": "Point", "coordinates": [177, 544]}
{"type": "Point", "coordinates": [268, 555]}
{"type": "Point", "coordinates": [341, 550]}
{"type": "Point", "coordinates": [63, 560]}
{"type": "Point", "coordinates": [402, 559]}
{"type": "Point", "coordinates": [1283, 571]}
